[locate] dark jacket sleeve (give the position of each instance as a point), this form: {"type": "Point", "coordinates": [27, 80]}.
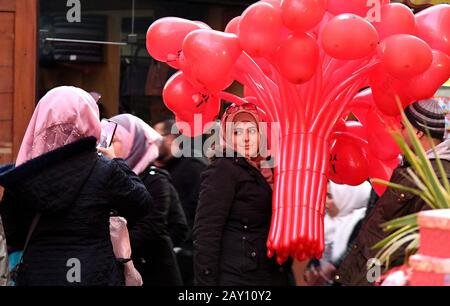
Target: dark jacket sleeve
{"type": "Point", "coordinates": [153, 226]}
{"type": "Point", "coordinates": [217, 189]}
{"type": "Point", "coordinates": [16, 221]}
{"type": "Point", "coordinates": [189, 193]}
{"type": "Point", "coordinates": [178, 227]}
{"type": "Point", "coordinates": [129, 195]}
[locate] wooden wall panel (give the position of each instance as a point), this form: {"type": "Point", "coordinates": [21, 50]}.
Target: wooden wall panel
{"type": "Point", "coordinates": [18, 29]}
{"type": "Point", "coordinates": [8, 5]}
{"type": "Point", "coordinates": [6, 106]}
{"type": "Point", "coordinates": [6, 79]}
{"type": "Point", "coordinates": [25, 46]}
{"type": "Point", "coordinates": [7, 39]}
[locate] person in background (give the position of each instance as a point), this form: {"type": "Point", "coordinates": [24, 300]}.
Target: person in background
{"type": "Point", "coordinates": [346, 206]}
{"type": "Point", "coordinates": [4, 269]}
{"type": "Point", "coordinates": [235, 208]}
{"type": "Point", "coordinates": [424, 115]}
{"type": "Point", "coordinates": [185, 172]}
{"type": "Point", "coordinates": [152, 247]}
{"type": "Point", "coordinates": [61, 185]}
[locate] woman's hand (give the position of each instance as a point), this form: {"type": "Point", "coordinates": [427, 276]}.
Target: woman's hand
{"type": "Point", "coordinates": [108, 152]}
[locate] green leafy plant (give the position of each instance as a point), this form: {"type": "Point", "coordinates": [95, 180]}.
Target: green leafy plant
{"type": "Point", "coordinates": [405, 230]}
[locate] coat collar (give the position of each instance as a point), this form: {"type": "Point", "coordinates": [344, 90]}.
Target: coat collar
{"type": "Point", "coordinates": [10, 175]}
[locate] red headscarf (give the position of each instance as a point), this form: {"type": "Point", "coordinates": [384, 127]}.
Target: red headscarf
{"type": "Point", "coordinates": [246, 112]}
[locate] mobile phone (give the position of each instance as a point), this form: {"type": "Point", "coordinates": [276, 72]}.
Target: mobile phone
{"type": "Point", "coordinates": [107, 134]}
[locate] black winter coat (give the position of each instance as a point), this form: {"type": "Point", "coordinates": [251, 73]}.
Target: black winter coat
{"type": "Point", "coordinates": [185, 173]}
{"type": "Point", "coordinates": [152, 247]}
{"type": "Point", "coordinates": [175, 216]}
{"type": "Point", "coordinates": [231, 228]}
{"type": "Point", "coordinates": [74, 190]}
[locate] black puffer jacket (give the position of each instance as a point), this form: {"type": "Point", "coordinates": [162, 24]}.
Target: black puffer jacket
{"type": "Point", "coordinates": [74, 190]}
{"type": "Point", "coordinates": [152, 246]}
{"type": "Point", "coordinates": [231, 228]}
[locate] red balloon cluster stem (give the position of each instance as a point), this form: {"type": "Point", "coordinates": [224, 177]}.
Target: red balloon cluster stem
{"type": "Point", "coordinates": [289, 99]}
{"type": "Point", "coordinates": [297, 227]}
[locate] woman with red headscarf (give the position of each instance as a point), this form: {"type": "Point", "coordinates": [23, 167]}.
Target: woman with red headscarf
{"type": "Point", "coordinates": [235, 207]}
{"type": "Point", "coordinates": [59, 196]}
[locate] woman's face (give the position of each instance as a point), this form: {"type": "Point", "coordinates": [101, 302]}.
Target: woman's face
{"type": "Point", "coordinates": [331, 206]}
{"type": "Point", "coordinates": [245, 139]}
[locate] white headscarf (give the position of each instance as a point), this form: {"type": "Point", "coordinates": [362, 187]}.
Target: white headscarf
{"type": "Point", "coordinates": [351, 202]}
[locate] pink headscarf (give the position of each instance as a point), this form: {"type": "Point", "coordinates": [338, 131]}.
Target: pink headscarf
{"type": "Point", "coordinates": [64, 115]}
{"type": "Point", "coordinates": [139, 141]}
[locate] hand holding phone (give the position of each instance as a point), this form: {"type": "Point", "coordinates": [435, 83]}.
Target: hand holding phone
{"type": "Point", "coordinates": [107, 134]}
{"type": "Point", "coordinates": [106, 137]}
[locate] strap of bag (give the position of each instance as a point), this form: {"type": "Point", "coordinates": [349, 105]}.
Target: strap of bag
{"type": "Point", "coordinates": [30, 232]}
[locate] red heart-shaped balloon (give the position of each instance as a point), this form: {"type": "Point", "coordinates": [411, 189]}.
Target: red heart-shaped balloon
{"type": "Point", "coordinates": [165, 38]}
{"type": "Point", "coordinates": [210, 56]}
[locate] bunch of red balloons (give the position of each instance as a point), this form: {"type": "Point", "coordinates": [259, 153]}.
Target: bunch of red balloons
{"type": "Point", "coordinates": [305, 63]}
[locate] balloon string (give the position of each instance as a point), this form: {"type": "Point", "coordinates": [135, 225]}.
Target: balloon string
{"type": "Point", "coordinates": [346, 99]}
{"type": "Point", "coordinates": [269, 86]}
{"type": "Point", "coordinates": [246, 64]}
{"type": "Point", "coordinates": [283, 94]}
{"type": "Point", "coordinates": [339, 74]}
{"type": "Point", "coordinates": [261, 98]}
{"type": "Point", "coordinates": [341, 102]}
{"type": "Point", "coordinates": [357, 139]}
{"type": "Point", "coordinates": [290, 103]}
{"type": "Point", "coordinates": [325, 109]}
{"type": "Point", "coordinates": [231, 98]}
{"type": "Point", "coordinates": [318, 91]}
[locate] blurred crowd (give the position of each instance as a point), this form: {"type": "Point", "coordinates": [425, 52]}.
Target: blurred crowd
{"type": "Point", "coordinates": [131, 212]}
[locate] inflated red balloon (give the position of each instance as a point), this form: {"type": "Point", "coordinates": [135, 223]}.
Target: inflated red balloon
{"type": "Point", "coordinates": [297, 58]}
{"type": "Point", "coordinates": [386, 90]}
{"type": "Point", "coordinates": [200, 119]}
{"type": "Point", "coordinates": [348, 165]}
{"type": "Point", "coordinates": [349, 37]}
{"type": "Point", "coordinates": [203, 48]}
{"type": "Point", "coordinates": [395, 18]}
{"type": "Point", "coordinates": [425, 85]}
{"type": "Point", "coordinates": [165, 38]}
{"type": "Point", "coordinates": [302, 15]}
{"type": "Point", "coordinates": [265, 66]}
{"type": "Point", "coordinates": [433, 25]}
{"type": "Point", "coordinates": [233, 25]}
{"type": "Point", "coordinates": [352, 131]}
{"type": "Point", "coordinates": [260, 28]}
{"type": "Point", "coordinates": [360, 105]}
{"type": "Point", "coordinates": [196, 127]}
{"type": "Point", "coordinates": [182, 98]}
{"type": "Point", "coordinates": [202, 25]}
{"type": "Point", "coordinates": [358, 7]}
{"type": "Point", "coordinates": [381, 144]}
{"type": "Point", "coordinates": [274, 3]}
{"type": "Point", "coordinates": [405, 56]}
{"type": "Point", "coordinates": [381, 170]}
